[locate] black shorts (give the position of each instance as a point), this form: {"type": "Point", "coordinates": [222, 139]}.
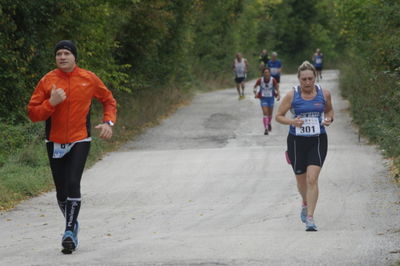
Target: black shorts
{"type": "Point", "coordinates": [305, 151]}
{"type": "Point", "coordinates": [318, 68]}
{"type": "Point", "coordinates": [239, 80]}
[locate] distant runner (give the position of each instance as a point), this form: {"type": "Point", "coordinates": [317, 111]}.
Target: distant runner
{"type": "Point", "coordinates": [263, 59]}
{"type": "Point", "coordinates": [318, 61]}
{"type": "Point", "coordinates": [307, 142]}
{"type": "Point", "coordinates": [276, 67]}
{"type": "Point", "coordinates": [63, 98]}
{"type": "Point", "coordinates": [240, 67]}
{"type": "Point", "coordinates": [268, 90]}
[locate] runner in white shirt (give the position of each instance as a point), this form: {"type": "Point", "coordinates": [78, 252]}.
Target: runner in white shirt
{"type": "Point", "coordinates": [240, 67]}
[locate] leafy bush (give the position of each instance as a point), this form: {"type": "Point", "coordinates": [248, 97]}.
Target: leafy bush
{"type": "Point", "coordinates": [371, 71]}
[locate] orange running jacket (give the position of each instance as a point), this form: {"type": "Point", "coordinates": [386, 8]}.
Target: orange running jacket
{"type": "Point", "coordinates": [69, 121]}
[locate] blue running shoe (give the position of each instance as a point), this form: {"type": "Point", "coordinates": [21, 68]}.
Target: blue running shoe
{"type": "Point", "coordinates": [310, 225]}
{"type": "Point", "coordinates": [303, 214]}
{"type": "Point", "coordinates": [69, 242]}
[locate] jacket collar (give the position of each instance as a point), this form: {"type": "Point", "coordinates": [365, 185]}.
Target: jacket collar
{"type": "Point", "coordinates": [67, 74]}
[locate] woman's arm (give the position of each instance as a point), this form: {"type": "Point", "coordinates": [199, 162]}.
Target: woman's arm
{"type": "Point", "coordinates": [277, 92]}
{"type": "Point", "coordinates": [258, 82]}
{"type": "Point", "coordinates": [284, 108]}
{"type": "Point", "coordinates": [329, 113]}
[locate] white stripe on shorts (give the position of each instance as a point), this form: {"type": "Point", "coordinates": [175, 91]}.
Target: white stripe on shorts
{"type": "Point", "coordinates": [319, 153]}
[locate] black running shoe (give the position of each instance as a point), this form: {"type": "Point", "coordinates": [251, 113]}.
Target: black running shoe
{"type": "Point", "coordinates": [266, 131]}
{"type": "Point", "coordinates": [69, 242]}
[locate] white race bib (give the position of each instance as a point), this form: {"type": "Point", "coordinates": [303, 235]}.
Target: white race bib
{"type": "Point", "coordinates": [267, 93]}
{"type": "Point", "coordinates": [310, 127]}
{"type": "Point", "coordinates": [61, 149]}
{"type": "Point", "coordinates": [318, 60]}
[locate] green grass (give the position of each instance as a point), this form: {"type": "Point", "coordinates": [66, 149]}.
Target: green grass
{"type": "Point", "coordinates": [25, 174]}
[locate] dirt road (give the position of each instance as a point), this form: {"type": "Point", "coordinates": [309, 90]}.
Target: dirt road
{"type": "Point", "coordinates": [206, 187]}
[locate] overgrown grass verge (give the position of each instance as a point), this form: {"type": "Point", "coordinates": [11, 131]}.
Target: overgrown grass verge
{"type": "Point", "coordinates": [24, 167]}
{"type": "Point", "coordinates": [375, 106]}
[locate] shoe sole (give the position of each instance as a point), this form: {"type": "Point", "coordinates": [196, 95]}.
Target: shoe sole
{"type": "Point", "coordinates": [311, 229]}
{"type": "Point", "coordinates": [68, 246]}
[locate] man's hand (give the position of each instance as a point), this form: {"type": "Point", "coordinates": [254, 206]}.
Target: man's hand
{"type": "Point", "coordinates": [105, 130]}
{"type": "Point", "coordinates": [57, 95]}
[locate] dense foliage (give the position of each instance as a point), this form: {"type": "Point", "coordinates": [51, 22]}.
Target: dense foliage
{"type": "Point", "coordinates": [296, 28]}
{"type": "Point", "coordinates": [28, 33]}
{"type": "Point", "coordinates": [136, 44]}
{"type": "Point", "coordinates": [371, 71]}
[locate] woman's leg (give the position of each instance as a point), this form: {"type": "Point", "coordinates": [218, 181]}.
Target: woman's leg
{"type": "Point", "coordinates": [316, 159]}
{"type": "Point", "coordinates": [312, 188]}
{"type": "Point", "coordinates": [270, 110]}
{"type": "Point", "coordinates": [295, 149]}
{"type": "Point", "coordinates": [302, 186]}
{"type": "Point", "coordinates": [265, 116]}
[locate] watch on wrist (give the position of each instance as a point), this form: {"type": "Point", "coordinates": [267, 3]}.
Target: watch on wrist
{"type": "Point", "coordinates": [110, 123]}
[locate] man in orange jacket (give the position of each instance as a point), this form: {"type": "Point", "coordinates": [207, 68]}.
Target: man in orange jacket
{"type": "Point", "coordinates": [63, 98]}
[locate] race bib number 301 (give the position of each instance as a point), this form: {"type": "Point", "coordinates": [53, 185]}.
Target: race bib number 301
{"type": "Point", "coordinates": [310, 127]}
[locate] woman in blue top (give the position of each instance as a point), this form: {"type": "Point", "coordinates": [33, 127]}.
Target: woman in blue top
{"type": "Point", "coordinates": [268, 90]}
{"type": "Point", "coordinates": [307, 142]}
{"type": "Point", "coordinates": [318, 61]}
{"type": "Point", "coordinates": [276, 67]}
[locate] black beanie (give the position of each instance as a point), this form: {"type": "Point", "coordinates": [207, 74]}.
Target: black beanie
{"type": "Point", "coordinates": [68, 45]}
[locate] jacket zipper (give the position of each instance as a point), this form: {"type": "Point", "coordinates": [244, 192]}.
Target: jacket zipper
{"type": "Point", "coordinates": [68, 107]}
